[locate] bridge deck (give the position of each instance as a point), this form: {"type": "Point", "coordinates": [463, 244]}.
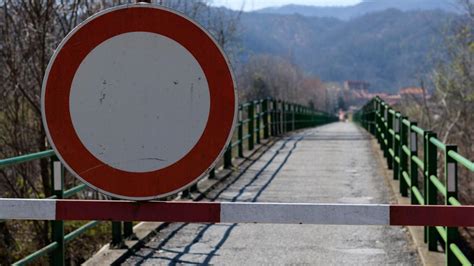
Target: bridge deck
{"type": "Point", "coordinates": [332, 163]}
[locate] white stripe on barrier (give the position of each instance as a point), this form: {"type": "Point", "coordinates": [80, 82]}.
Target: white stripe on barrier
{"type": "Point", "coordinates": [305, 213]}
{"type": "Point", "coordinates": [28, 209]}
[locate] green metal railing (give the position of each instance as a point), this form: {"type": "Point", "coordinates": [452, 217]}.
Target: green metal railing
{"type": "Point", "coordinates": [398, 138]}
{"type": "Point", "coordinates": [257, 120]}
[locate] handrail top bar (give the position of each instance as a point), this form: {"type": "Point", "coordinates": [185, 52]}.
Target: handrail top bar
{"type": "Point", "coordinates": [40, 252]}
{"type": "Point", "coordinates": [26, 158]}
{"type": "Point", "coordinates": [417, 129]}
{"type": "Point", "coordinates": [462, 160]}
{"type": "Point", "coordinates": [438, 185]}
{"type": "Point", "coordinates": [406, 122]}
{"type": "Point", "coordinates": [438, 143]}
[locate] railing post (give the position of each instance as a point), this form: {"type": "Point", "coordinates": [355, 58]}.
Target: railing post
{"type": "Point", "coordinates": [378, 121]}
{"type": "Point", "coordinates": [396, 145]}
{"type": "Point", "coordinates": [302, 117]}
{"type": "Point", "coordinates": [117, 240]}
{"type": "Point", "coordinates": [373, 118]}
{"type": "Point", "coordinates": [385, 132]}
{"type": "Point", "coordinates": [287, 117]}
{"type": "Point", "coordinates": [367, 117]}
{"type": "Point", "coordinates": [315, 118]}
{"type": "Point", "coordinates": [57, 227]}
{"type": "Point", "coordinates": [431, 164]}
{"type": "Point", "coordinates": [298, 117]}
{"type": "Point", "coordinates": [240, 134]}
{"type": "Point", "coordinates": [390, 158]}
{"type": "Point", "coordinates": [273, 118]}
{"type": "Point", "coordinates": [305, 117]}
{"type": "Point", "coordinates": [284, 109]}
{"type": "Point", "coordinates": [413, 166]}
{"type": "Point", "coordinates": [381, 125]}
{"type": "Point", "coordinates": [365, 120]}
{"type": "Point", "coordinates": [290, 117]}
{"type": "Point", "coordinates": [212, 174]}
{"type": "Point", "coordinates": [228, 156]}
{"type": "Point", "coordinates": [128, 230]}
{"type": "Point", "coordinates": [451, 183]}
{"type": "Point", "coordinates": [403, 167]}
{"type": "Point", "coordinates": [278, 118]}
{"type": "Point", "coordinates": [250, 117]}
{"type": "Point", "coordinates": [265, 119]}
{"type": "Point", "coordinates": [293, 117]}
{"type": "Point", "coordinates": [311, 118]}
{"type": "Point", "coordinates": [258, 119]}
{"type": "Point", "coordinates": [283, 117]}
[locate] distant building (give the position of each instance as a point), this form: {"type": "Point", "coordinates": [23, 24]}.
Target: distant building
{"type": "Point", "coordinates": [390, 99]}
{"type": "Point", "coordinates": [356, 92]}
{"type": "Point", "coordinates": [356, 85]}
{"type": "Point", "coordinates": [412, 93]}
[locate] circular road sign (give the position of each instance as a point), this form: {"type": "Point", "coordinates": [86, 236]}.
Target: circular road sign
{"type": "Point", "coordinates": [139, 102]}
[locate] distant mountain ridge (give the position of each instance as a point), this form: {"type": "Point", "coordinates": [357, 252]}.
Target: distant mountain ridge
{"type": "Point", "coordinates": [390, 49]}
{"type": "Point", "coordinates": [363, 8]}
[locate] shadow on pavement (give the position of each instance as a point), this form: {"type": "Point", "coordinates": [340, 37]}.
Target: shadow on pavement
{"type": "Point", "coordinates": [177, 258]}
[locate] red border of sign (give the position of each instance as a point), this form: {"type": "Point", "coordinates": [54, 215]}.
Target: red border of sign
{"type": "Point", "coordinates": [56, 90]}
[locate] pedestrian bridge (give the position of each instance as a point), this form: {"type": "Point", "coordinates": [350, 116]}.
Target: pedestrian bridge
{"type": "Point", "coordinates": [312, 165]}
{"type": "Point", "coordinates": [311, 170]}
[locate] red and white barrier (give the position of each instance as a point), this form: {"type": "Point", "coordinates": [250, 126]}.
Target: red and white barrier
{"type": "Point", "coordinates": [236, 212]}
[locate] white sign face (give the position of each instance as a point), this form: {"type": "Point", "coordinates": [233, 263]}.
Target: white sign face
{"type": "Point", "coordinates": [121, 113]}
{"type": "Point", "coordinates": [142, 109]}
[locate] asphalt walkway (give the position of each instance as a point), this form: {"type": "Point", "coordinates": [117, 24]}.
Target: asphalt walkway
{"type": "Point", "coordinates": [330, 164]}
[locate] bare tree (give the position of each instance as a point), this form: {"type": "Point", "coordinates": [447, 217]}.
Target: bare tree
{"type": "Point", "coordinates": [271, 76]}
{"type": "Point", "coordinates": [450, 108]}
{"type": "Point", "coordinates": [223, 24]}
{"type": "Point", "coordinates": [29, 33]}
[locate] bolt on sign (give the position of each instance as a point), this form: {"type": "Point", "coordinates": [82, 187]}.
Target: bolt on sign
{"type": "Point", "coordinates": [139, 101]}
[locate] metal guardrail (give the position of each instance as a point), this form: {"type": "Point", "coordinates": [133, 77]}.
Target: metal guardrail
{"type": "Point", "coordinates": [257, 120]}
{"type": "Point", "coordinates": [398, 138]}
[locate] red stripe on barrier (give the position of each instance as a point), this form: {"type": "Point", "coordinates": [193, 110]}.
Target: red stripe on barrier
{"type": "Point", "coordinates": [193, 212]}
{"type": "Point", "coordinates": [431, 215]}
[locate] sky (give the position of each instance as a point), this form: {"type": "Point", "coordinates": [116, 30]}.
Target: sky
{"type": "Point", "coordinates": [249, 5]}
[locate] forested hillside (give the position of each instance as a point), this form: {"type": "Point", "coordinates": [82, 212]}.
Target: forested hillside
{"type": "Point", "coordinates": [363, 8]}
{"type": "Point", "coordinates": [390, 48]}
